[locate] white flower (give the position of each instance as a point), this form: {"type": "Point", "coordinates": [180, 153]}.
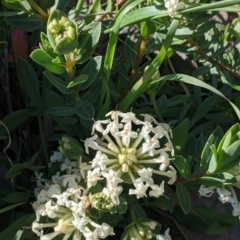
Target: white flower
{"type": "Point", "coordinates": [49, 210]}
{"type": "Point", "coordinates": [157, 191]}
{"type": "Point", "coordinates": [224, 195]}
{"type": "Point", "coordinates": [89, 142]}
{"type": "Point", "coordinates": [56, 177]}
{"type": "Point", "coordinates": [99, 160]}
{"type": "Point", "coordinates": [71, 180]}
{"type": "Point", "coordinates": [93, 176]}
{"type": "Point", "coordinates": [54, 190]}
{"type": "Point", "coordinates": [164, 160]}
{"type": "Point", "coordinates": [62, 199]}
{"type": "Point", "coordinates": [128, 117]}
{"type": "Point", "coordinates": [56, 157]}
{"type": "Point", "coordinates": [114, 116]}
{"type": "Point", "coordinates": [112, 177]}
{"type": "Point", "coordinates": [145, 176]}
{"type": "Point", "coordinates": [166, 236]}
{"type": "Point", "coordinates": [113, 128]}
{"type": "Point", "coordinates": [104, 230]}
{"type": "Point", "coordinates": [113, 192]}
{"type": "Point", "coordinates": [150, 145]}
{"type": "Point", "coordinates": [98, 126]}
{"type": "Point", "coordinates": [80, 222]}
{"type": "Point", "coordinates": [140, 190]}
{"type": "Point", "coordinates": [205, 191]}
{"type": "Point", "coordinates": [39, 178]}
{"type": "Point", "coordinates": [83, 167]}
{"type": "Point", "coordinates": [127, 134]}
{"type": "Point", "coordinates": [172, 174]}
{"type": "Point", "coordinates": [172, 6]}
{"type": "Point", "coordinates": [42, 197]}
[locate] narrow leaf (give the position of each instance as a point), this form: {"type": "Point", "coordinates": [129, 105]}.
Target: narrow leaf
{"type": "Point", "coordinates": [57, 82]}
{"type": "Point", "coordinates": [184, 198]}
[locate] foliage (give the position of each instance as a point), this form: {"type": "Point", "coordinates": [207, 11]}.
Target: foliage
{"type": "Point", "coordinates": [141, 99]}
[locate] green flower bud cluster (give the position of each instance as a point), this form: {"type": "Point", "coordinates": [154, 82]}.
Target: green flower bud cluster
{"type": "Point", "coordinates": [62, 33]}
{"type": "Point", "coordinates": [102, 202]}
{"type": "Point", "coordinates": [70, 148]}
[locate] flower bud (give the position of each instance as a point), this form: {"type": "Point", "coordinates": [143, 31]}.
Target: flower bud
{"type": "Point", "coordinates": [70, 148]}
{"type": "Point", "coordinates": [62, 33]}
{"type": "Point", "coordinates": [102, 202]}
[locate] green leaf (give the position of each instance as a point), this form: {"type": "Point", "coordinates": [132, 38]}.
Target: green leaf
{"type": "Point", "coordinates": [18, 235]}
{"type": "Point", "coordinates": [142, 14]}
{"type": "Point", "coordinates": [180, 135]}
{"type": "Point", "coordinates": [57, 82]}
{"type": "Point", "coordinates": [2, 210]}
{"type": "Point", "coordinates": [194, 81]}
{"type": "Point", "coordinates": [144, 83]}
{"type": "Point", "coordinates": [218, 228]}
{"type": "Point", "coordinates": [148, 28]}
{"type": "Point", "coordinates": [15, 170]}
{"type": "Point", "coordinates": [206, 155]}
{"type": "Point", "coordinates": [227, 138]}
{"type": "Point", "coordinates": [14, 120]}
{"type": "Point", "coordinates": [65, 46]}
{"type": "Point", "coordinates": [8, 233]}
{"type": "Point", "coordinates": [162, 104]}
{"type": "Point", "coordinates": [91, 69]}
{"type": "Point", "coordinates": [21, 5]}
{"type": "Point", "coordinates": [46, 61]}
{"type": "Point", "coordinates": [12, 13]}
{"type": "Point", "coordinates": [68, 120]}
{"type": "Point", "coordinates": [213, 162]}
{"type": "Point", "coordinates": [53, 99]}
{"type": "Point", "coordinates": [88, 39]}
{"type": "Point", "coordinates": [85, 110]}
{"type": "Point", "coordinates": [204, 108]}
{"type": "Point", "coordinates": [78, 80]}
{"type": "Point", "coordinates": [203, 28]}
{"type": "Point", "coordinates": [184, 198]}
{"type": "Point", "coordinates": [62, 111]}
{"type": "Point", "coordinates": [122, 207]}
{"type": "Point", "coordinates": [190, 150]}
{"type": "Point", "coordinates": [217, 179]}
{"type": "Point", "coordinates": [229, 157]}
{"type": "Point", "coordinates": [182, 166]}
{"type": "Point", "coordinates": [24, 21]}
{"type": "Point", "coordinates": [16, 197]}
{"type": "Point", "coordinates": [29, 80]}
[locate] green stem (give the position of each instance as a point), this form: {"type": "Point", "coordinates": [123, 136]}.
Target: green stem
{"type": "Point", "coordinates": [69, 66]}
{"type": "Point", "coordinates": [40, 127]}
{"type": "Point", "coordinates": [154, 103]}
{"type": "Point", "coordinates": [78, 8]}
{"type": "Point", "coordinates": [38, 9]}
{"type": "Point", "coordinates": [133, 215]}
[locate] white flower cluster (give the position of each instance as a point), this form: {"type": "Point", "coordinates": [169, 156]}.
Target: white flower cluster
{"type": "Point", "coordinates": [131, 151]}
{"type": "Point", "coordinates": [225, 196]}
{"type": "Point", "coordinates": [127, 151]}
{"type": "Point", "coordinates": [65, 203]}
